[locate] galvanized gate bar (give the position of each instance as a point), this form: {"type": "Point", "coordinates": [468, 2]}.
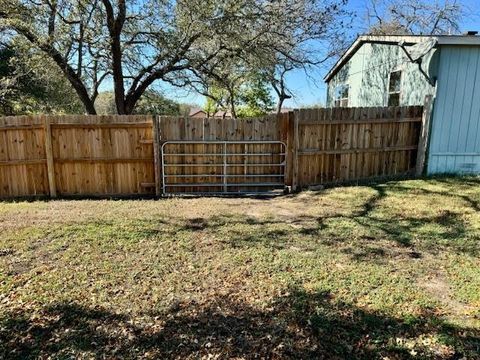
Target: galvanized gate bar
{"type": "Point", "coordinates": [224, 176]}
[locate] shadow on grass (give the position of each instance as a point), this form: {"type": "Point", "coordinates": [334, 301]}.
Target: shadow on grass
{"type": "Point", "coordinates": [369, 225]}
{"type": "Point", "coordinates": [296, 325]}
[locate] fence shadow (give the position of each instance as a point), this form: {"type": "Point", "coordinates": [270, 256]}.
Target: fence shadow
{"type": "Point", "coordinates": [296, 325]}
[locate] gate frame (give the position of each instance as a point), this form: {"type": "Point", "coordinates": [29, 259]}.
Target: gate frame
{"type": "Point", "coordinates": [224, 176]}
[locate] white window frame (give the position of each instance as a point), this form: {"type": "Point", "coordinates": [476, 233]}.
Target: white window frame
{"type": "Point", "coordinates": [399, 92]}
{"type": "Point", "coordinates": [341, 101]}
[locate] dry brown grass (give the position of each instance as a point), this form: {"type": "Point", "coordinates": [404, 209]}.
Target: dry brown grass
{"type": "Point", "coordinates": [364, 272]}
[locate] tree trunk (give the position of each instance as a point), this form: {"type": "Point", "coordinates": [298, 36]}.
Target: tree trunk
{"type": "Point", "coordinates": [281, 93]}
{"type": "Point", "coordinates": [76, 83]}
{"type": "Point", "coordinates": [232, 108]}
{"type": "Point", "coordinates": [280, 105]}
{"type": "Point", "coordinates": [231, 100]}
{"type": "Point", "coordinates": [115, 26]}
{"type": "Point", "coordinates": [62, 63]}
{"type": "Point", "coordinates": [118, 77]}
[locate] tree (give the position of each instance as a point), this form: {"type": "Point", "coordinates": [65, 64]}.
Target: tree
{"type": "Point", "coordinates": [29, 87]}
{"type": "Point", "coordinates": [154, 103]}
{"type": "Point", "coordinates": [105, 103]}
{"type": "Point", "coordinates": [151, 103]}
{"type": "Point", "coordinates": [313, 32]}
{"type": "Point", "coordinates": [279, 83]}
{"type": "Point", "coordinates": [255, 98]}
{"type": "Point", "coordinates": [136, 43]}
{"type": "Point", "coordinates": [248, 96]}
{"type": "Point", "coordinates": [217, 99]}
{"type": "Point", "coordinates": [8, 81]}
{"type": "Point", "coordinates": [408, 17]}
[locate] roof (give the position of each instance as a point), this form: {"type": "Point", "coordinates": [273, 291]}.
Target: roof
{"type": "Point", "coordinates": [465, 40]}
{"type": "Point", "coordinates": [219, 114]}
{"type": "Point", "coordinates": [195, 111]}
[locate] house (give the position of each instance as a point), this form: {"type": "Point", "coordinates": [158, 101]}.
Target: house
{"type": "Point", "coordinates": [402, 70]}
{"type": "Point", "coordinates": [200, 113]}
{"type": "Point", "coordinates": [197, 113]}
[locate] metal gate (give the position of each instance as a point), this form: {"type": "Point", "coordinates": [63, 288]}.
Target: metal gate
{"type": "Point", "coordinates": [223, 167]}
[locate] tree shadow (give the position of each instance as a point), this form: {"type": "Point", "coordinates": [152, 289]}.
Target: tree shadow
{"type": "Point", "coordinates": [472, 203]}
{"type": "Point", "coordinates": [447, 227]}
{"type": "Point", "coordinates": [414, 233]}
{"type": "Point", "coordinates": [296, 325]}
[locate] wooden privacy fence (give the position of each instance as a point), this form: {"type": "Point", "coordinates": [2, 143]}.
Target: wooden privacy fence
{"type": "Point", "coordinates": [122, 155]}
{"type": "Point", "coordinates": [76, 155]}
{"type": "Point", "coordinates": [344, 144]}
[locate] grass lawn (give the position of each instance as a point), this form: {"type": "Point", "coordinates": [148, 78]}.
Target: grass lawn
{"type": "Point", "coordinates": [388, 271]}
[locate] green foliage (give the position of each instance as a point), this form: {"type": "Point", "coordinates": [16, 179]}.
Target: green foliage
{"type": "Point", "coordinates": [218, 100]}
{"type": "Point", "coordinates": [30, 83]}
{"type": "Point", "coordinates": [105, 103]}
{"type": "Point", "coordinates": [151, 103]}
{"type": "Point", "coordinates": [187, 43]}
{"type": "Point", "coordinates": [248, 96]}
{"type": "Point", "coordinates": [186, 108]}
{"type": "Point", "coordinates": [255, 98]}
{"type": "Point", "coordinates": [154, 103]}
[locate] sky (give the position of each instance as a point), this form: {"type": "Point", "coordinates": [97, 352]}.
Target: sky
{"type": "Point", "coordinates": [310, 89]}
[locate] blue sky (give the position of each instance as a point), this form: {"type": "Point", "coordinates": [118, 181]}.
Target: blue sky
{"type": "Point", "coordinates": [309, 88]}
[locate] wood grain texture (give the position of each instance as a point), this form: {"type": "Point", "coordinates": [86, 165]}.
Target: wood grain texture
{"type": "Point", "coordinates": [52, 185]}
{"type": "Point", "coordinates": [23, 170]}
{"type": "Point", "coordinates": [115, 155]}
{"type": "Point", "coordinates": [204, 163]}
{"type": "Point", "coordinates": [344, 144]}
{"type": "Point", "coordinates": [76, 155]}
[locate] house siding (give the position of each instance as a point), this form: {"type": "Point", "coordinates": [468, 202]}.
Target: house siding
{"type": "Point", "coordinates": [455, 135]}
{"type": "Point", "coordinates": [367, 74]}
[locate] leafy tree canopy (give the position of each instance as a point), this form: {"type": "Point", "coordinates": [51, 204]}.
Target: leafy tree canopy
{"type": "Point", "coordinates": [30, 84]}
{"type": "Point", "coordinates": [188, 43]}
{"type": "Point", "coordinates": [247, 97]}
{"type": "Point", "coordinates": [151, 103]}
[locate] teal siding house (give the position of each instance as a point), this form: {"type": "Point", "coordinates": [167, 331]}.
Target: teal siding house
{"type": "Point", "coordinates": [401, 71]}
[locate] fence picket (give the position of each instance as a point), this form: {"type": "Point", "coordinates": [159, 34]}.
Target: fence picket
{"type": "Point", "coordinates": [121, 155]}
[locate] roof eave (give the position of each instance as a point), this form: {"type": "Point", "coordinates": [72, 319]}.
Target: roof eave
{"type": "Point", "coordinates": [373, 39]}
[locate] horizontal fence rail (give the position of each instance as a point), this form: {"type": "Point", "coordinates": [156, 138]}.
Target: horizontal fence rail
{"type": "Point", "coordinates": [76, 155]}
{"type": "Point", "coordinates": [147, 155]}
{"type": "Point", "coordinates": [347, 144]}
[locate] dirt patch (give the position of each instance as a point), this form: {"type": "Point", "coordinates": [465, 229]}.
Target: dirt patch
{"type": "Point", "coordinates": [19, 268]}
{"type": "Point", "coordinates": [437, 286]}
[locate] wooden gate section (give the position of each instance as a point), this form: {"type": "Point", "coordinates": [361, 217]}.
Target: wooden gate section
{"type": "Point", "coordinates": [345, 144]}
{"type": "Point", "coordinates": [250, 152]}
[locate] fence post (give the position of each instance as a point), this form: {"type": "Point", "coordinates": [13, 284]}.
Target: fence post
{"type": "Point", "coordinates": [296, 145]}
{"type": "Point", "coordinates": [156, 155]}
{"type": "Point", "coordinates": [49, 154]}
{"type": "Point", "coordinates": [424, 136]}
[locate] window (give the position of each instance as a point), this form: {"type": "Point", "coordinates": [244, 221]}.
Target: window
{"type": "Point", "coordinates": [341, 96]}
{"type": "Point", "coordinates": [394, 86]}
